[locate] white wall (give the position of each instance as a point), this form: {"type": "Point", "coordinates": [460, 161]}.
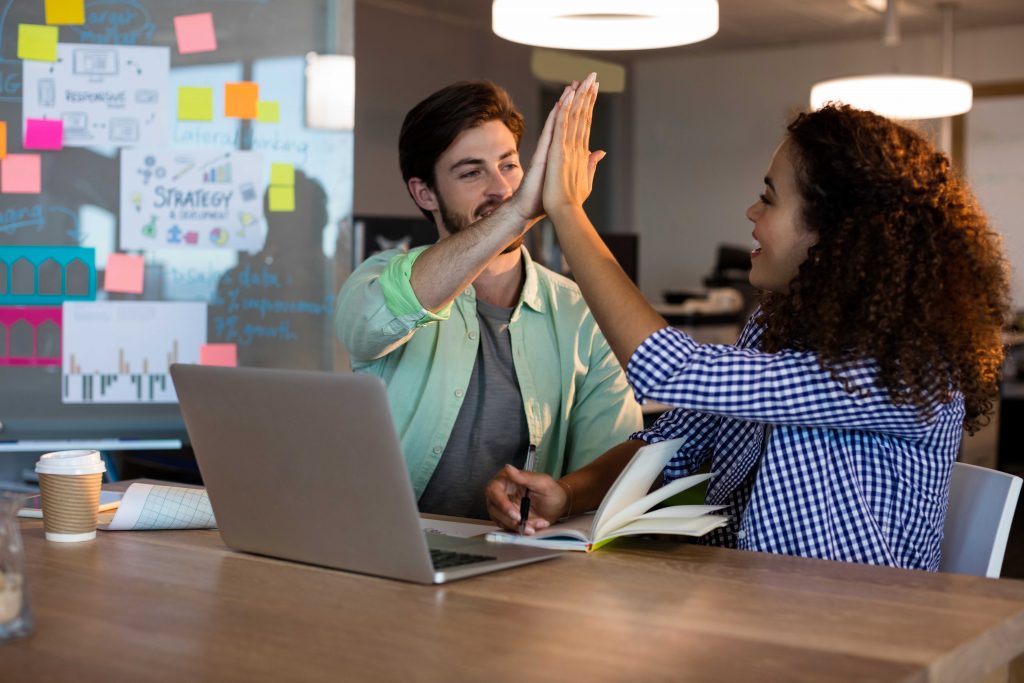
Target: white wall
{"type": "Point", "coordinates": [704, 128]}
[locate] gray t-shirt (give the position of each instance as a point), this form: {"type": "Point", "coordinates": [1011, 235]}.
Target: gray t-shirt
{"type": "Point", "coordinates": [490, 430]}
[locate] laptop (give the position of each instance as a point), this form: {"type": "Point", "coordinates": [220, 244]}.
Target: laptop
{"type": "Point", "coordinates": [306, 466]}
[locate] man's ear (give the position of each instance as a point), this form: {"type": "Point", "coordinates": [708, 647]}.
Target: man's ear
{"type": "Point", "coordinates": [421, 193]}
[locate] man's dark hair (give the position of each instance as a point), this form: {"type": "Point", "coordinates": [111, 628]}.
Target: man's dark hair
{"type": "Point", "coordinates": [432, 125]}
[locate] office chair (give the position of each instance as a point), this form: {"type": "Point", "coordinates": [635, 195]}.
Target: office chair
{"type": "Point", "coordinates": [981, 506]}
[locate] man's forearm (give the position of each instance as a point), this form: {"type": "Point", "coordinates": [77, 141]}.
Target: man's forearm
{"type": "Point", "coordinates": [590, 484]}
{"type": "Point", "coordinates": [448, 267]}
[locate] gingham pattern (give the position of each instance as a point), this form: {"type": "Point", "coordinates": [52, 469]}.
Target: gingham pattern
{"type": "Point", "coordinates": [845, 476]}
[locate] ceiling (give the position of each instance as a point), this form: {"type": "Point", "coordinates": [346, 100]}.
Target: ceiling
{"type": "Point", "coordinates": [764, 23]}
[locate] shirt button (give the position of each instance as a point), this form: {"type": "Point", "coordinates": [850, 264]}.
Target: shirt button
{"type": "Point", "coordinates": [741, 534]}
{"type": "Point", "coordinates": [472, 335]}
{"type": "Point", "coordinates": [459, 392]}
{"type": "Point", "coordinates": [437, 449]}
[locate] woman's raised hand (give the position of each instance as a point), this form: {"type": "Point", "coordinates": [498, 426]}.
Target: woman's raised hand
{"type": "Point", "coordinates": [571, 165]}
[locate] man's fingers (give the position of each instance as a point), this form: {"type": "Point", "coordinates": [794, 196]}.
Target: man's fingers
{"type": "Point", "coordinates": [587, 118]}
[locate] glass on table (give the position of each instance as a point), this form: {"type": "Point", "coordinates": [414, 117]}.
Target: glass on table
{"type": "Point", "coordinates": [15, 616]}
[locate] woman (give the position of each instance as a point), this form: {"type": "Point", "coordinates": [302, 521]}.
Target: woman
{"type": "Point", "coordinates": [833, 423]}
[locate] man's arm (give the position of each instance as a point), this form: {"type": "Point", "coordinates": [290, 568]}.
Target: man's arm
{"type": "Point", "coordinates": [448, 267]}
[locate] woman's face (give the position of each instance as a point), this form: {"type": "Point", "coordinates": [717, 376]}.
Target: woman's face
{"type": "Point", "coordinates": [780, 238]}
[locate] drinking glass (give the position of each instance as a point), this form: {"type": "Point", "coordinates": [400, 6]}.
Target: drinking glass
{"type": "Point", "coordinates": [15, 616]}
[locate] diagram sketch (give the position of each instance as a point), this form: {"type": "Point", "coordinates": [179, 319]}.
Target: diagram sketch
{"type": "Point", "coordinates": [104, 94]}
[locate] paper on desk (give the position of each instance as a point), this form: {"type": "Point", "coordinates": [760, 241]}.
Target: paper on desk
{"type": "Point", "coordinates": [457, 529]}
{"type": "Point", "coordinates": [146, 506]}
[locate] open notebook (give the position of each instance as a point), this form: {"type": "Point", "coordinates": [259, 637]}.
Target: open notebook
{"type": "Point", "coordinates": [626, 508]}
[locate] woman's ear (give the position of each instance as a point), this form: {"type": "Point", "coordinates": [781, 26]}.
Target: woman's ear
{"type": "Point", "coordinates": [422, 194]}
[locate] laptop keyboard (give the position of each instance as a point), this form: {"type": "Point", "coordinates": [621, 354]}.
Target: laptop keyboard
{"type": "Point", "coordinates": [445, 559]}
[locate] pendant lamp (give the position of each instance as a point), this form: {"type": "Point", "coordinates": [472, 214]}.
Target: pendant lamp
{"type": "Point", "coordinates": [605, 24]}
{"type": "Point", "coordinates": [901, 96]}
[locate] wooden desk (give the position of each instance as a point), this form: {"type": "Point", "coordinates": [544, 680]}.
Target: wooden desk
{"type": "Point", "coordinates": [178, 606]}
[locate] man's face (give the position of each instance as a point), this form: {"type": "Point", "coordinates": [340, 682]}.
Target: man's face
{"type": "Point", "coordinates": [475, 175]}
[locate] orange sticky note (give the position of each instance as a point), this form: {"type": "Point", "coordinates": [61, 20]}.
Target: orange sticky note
{"type": "Point", "coordinates": [219, 354]}
{"type": "Point", "coordinates": [125, 273]}
{"type": "Point", "coordinates": [37, 42]}
{"type": "Point", "coordinates": [65, 11]}
{"type": "Point", "coordinates": [3, 139]}
{"type": "Point", "coordinates": [241, 100]}
{"type": "Point", "coordinates": [21, 174]}
{"type": "Point", "coordinates": [195, 33]}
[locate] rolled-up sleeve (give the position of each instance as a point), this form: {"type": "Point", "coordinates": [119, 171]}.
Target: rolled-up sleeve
{"type": "Point", "coordinates": [377, 309]}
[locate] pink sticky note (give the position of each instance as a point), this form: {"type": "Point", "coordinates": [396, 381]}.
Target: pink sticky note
{"type": "Point", "coordinates": [195, 33]}
{"type": "Point", "coordinates": [44, 134]}
{"type": "Point", "coordinates": [219, 354]}
{"type": "Point", "coordinates": [20, 174]}
{"type": "Point", "coordinates": [125, 273]}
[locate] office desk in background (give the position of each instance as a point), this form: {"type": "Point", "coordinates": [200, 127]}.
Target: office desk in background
{"type": "Point", "coordinates": [179, 606]}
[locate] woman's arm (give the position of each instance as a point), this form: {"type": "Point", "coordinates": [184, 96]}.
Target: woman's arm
{"type": "Point", "coordinates": [623, 314]}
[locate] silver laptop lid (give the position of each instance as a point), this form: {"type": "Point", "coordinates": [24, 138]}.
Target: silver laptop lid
{"type": "Point", "coordinates": [304, 466]}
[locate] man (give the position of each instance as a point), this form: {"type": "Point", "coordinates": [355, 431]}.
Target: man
{"type": "Point", "coordinates": [483, 351]}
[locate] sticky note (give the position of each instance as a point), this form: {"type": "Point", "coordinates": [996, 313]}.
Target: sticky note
{"type": "Point", "coordinates": [268, 111]}
{"type": "Point", "coordinates": [44, 134]}
{"type": "Point", "coordinates": [282, 198]}
{"type": "Point", "coordinates": [21, 174]}
{"type": "Point", "coordinates": [195, 33]}
{"type": "Point", "coordinates": [125, 273]}
{"type": "Point", "coordinates": [240, 99]}
{"type": "Point", "coordinates": [282, 174]}
{"type": "Point", "coordinates": [3, 139]}
{"type": "Point", "coordinates": [219, 354]}
{"type": "Point", "coordinates": [195, 104]}
{"type": "Point", "coordinates": [65, 11]}
{"type": "Point", "coordinates": [37, 42]}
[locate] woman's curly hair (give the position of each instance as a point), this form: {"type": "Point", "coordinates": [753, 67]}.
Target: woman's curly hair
{"type": "Point", "coordinates": [905, 271]}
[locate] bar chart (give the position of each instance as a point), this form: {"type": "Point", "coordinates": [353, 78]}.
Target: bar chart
{"type": "Point", "coordinates": [120, 352]}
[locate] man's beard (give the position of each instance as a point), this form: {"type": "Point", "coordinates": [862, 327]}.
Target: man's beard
{"type": "Point", "coordinates": [455, 223]}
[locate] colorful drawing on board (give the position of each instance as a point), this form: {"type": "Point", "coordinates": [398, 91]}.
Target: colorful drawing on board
{"type": "Point", "coordinates": [46, 275]}
{"type": "Point", "coordinates": [103, 94]}
{"type": "Point", "coordinates": [30, 335]}
{"type": "Point", "coordinates": [110, 354]}
{"type": "Point", "coordinates": [199, 198]}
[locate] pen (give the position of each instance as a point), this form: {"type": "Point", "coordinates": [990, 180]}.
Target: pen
{"type": "Point", "coordinates": [524, 503]}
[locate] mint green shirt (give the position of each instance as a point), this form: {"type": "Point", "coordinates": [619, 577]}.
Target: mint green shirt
{"type": "Point", "coordinates": [575, 395]}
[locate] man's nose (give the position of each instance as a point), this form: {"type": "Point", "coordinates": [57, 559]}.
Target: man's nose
{"type": "Point", "coordinates": [499, 187]}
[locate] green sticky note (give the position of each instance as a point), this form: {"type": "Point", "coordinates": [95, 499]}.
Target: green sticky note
{"type": "Point", "coordinates": [37, 42]}
{"type": "Point", "coordinates": [65, 11]}
{"type": "Point", "coordinates": [282, 198]}
{"type": "Point", "coordinates": [195, 104]}
{"type": "Point", "coordinates": [282, 175]}
{"type": "Point", "coordinates": [268, 111]}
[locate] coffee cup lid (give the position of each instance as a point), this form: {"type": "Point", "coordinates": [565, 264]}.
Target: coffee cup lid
{"type": "Point", "coordinates": [70, 462]}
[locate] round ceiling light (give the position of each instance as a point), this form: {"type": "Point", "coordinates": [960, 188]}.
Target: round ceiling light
{"type": "Point", "coordinates": [898, 96]}
{"type": "Point", "coordinates": [605, 24]}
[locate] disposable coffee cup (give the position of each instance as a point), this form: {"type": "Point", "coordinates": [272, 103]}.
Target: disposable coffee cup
{"type": "Point", "coordinates": [69, 482]}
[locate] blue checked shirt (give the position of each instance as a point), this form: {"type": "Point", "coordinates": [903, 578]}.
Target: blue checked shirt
{"type": "Point", "coordinates": [805, 467]}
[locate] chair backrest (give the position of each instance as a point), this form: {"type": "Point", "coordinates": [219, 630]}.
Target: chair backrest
{"type": "Point", "coordinates": [981, 505]}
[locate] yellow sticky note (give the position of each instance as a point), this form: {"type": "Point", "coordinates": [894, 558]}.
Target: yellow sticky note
{"type": "Point", "coordinates": [282, 175]}
{"type": "Point", "coordinates": [3, 139]}
{"type": "Point", "coordinates": [37, 42]}
{"type": "Point", "coordinates": [195, 104]}
{"type": "Point", "coordinates": [240, 99]}
{"type": "Point", "coordinates": [65, 12]}
{"type": "Point", "coordinates": [282, 198]}
{"type": "Point", "coordinates": [268, 111]}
